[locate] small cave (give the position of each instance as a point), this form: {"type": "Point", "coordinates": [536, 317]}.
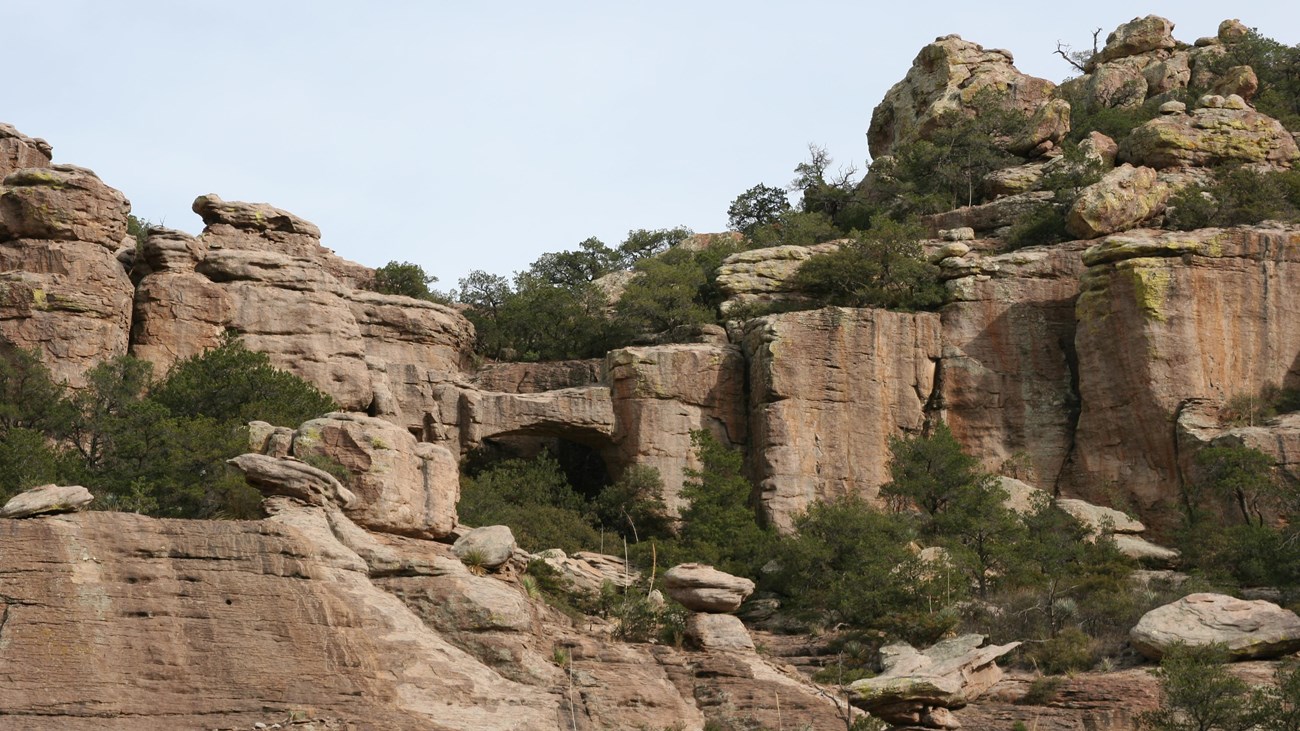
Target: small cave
{"type": "Point", "coordinates": [583, 466]}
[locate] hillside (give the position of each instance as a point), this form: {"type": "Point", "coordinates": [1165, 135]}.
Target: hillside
{"type": "Point", "coordinates": [1091, 292]}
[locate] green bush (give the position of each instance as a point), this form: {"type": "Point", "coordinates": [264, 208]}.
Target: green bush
{"type": "Point", "coordinates": [1237, 196]}
{"type": "Point", "coordinates": [881, 267]}
{"type": "Point", "coordinates": [534, 498]}
{"type": "Point", "coordinates": [1200, 694]}
{"type": "Point", "coordinates": [407, 279]}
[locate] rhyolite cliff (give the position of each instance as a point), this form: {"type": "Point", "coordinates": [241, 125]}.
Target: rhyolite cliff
{"type": "Point", "coordinates": [1093, 368]}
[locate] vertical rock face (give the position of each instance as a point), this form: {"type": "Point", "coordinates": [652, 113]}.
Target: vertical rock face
{"type": "Point", "coordinates": [18, 151]}
{"type": "Point", "coordinates": [62, 291]}
{"type": "Point", "coordinates": [1008, 357]}
{"type": "Point", "coordinates": [828, 388]}
{"type": "Point", "coordinates": [1166, 318]}
{"type": "Point", "coordinates": [661, 394]}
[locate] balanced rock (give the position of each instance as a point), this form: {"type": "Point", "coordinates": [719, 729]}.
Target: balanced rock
{"type": "Point", "coordinates": [1248, 629]}
{"type": "Point", "coordinates": [1122, 199]}
{"type": "Point", "coordinates": [292, 478]}
{"type": "Point", "coordinates": [947, 675]}
{"type": "Point", "coordinates": [488, 547]}
{"type": "Point", "coordinates": [46, 500]}
{"type": "Point", "coordinates": [703, 588]}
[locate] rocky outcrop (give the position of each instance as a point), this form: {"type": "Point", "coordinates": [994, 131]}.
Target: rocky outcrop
{"type": "Point", "coordinates": [125, 622]}
{"type": "Point", "coordinates": [1246, 629]}
{"type": "Point", "coordinates": [828, 388]}
{"type": "Point", "coordinates": [401, 486]}
{"type": "Point", "coordinates": [702, 588]}
{"type": "Point", "coordinates": [1140, 35]}
{"type": "Point", "coordinates": [1121, 200]}
{"type": "Point", "coordinates": [1008, 366]}
{"type": "Point", "coordinates": [1219, 132]}
{"type": "Point", "coordinates": [1166, 318]}
{"type": "Point", "coordinates": [912, 683]}
{"type": "Point", "coordinates": [991, 216]}
{"type": "Point", "coordinates": [62, 291]}
{"type": "Point", "coordinates": [18, 151]}
{"type": "Point", "coordinates": [663, 393]}
{"type": "Point", "coordinates": [47, 500]}
{"type": "Point", "coordinates": [948, 76]}
{"type": "Point", "coordinates": [764, 276]}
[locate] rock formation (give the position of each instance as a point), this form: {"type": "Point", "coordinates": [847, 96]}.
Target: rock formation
{"type": "Point", "coordinates": [1246, 629]}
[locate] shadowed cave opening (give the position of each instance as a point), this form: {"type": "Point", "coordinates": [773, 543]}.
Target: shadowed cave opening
{"type": "Point", "coordinates": [583, 466]}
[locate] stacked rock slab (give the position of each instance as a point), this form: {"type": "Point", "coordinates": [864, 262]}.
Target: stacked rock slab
{"type": "Point", "coordinates": [1166, 318]}
{"type": "Point", "coordinates": [828, 388]}
{"type": "Point", "coordinates": [62, 290]}
{"type": "Point", "coordinates": [18, 151]}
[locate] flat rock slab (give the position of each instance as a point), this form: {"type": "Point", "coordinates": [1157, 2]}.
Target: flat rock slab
{"type": "Point", "coordinates": [47, 500]}
{"type": "Point", "coordinates": [1249, 629]}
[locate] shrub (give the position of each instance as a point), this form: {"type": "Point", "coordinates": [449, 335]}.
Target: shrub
{"type": "Point", "coordinates": [1199, 693]}
{"type": "Point", "coordinates": [882, 267]}
{"type": "Point", "coordinates": [1237, 196]}
{"type": "Point", "coordinates": [407, 279]}
{"type": "Point", "coordinates": [534, 499]}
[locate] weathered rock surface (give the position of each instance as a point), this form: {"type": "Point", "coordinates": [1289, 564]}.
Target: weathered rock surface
{"type": "Point", "coordinates": [763, 276]}
{"type": "Point", "coordinates": [1122, 199]}
{"type": "Point", "coordinates": [1166, 318]}
{"type": "Point", "coordinates": [718, 632]}
{"type": "Point", "coordinates": [828, 388]}
{"type": "Point", "coordinates": [1099, 519]}
{"type": "Point", "coordinates": [702, 588]}
{"type": "Point", "coordinates": [293, 478]}
{"type": "Point", "coordinates": [62, 290]}
{"type": "Point", "coordinates": [989, 216]}
{"type": "Point", "coordinates": [1248, 629]}
{"type": "Point", "coordinates": [18, 151]}
{"type": "Point", "coordinates": [948, 75]}
{"type": "Point", "coordinates": [947, 675]}
{"type": "Point", "coordinates": [401, 486]}
{"type": "Point", "coordinates": [1139, 35]}
{"type": "Point", "coordinates": [1008, 366]}
{"type": "Point", "coordinates": [47, 500]}
{"type": "Point", "coordinates": [116, 621]}
{"type": "Point", "coordinates": [1217, 133]}
{"type": "Point", "coordinates": [489, 546]}
{"type": "Point", "coordinates": [538, 377]}
{"type": "Point", "coordinates": [661, 394]}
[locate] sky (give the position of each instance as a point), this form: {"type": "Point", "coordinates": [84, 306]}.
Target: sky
{"type": "Point", "coordinates": [462, 135]}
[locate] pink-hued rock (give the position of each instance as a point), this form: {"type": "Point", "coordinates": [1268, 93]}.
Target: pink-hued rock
{"type": "Point", "coordinates": [702, 588]}
{"type": "Point", "coordinates": [1248, 629]}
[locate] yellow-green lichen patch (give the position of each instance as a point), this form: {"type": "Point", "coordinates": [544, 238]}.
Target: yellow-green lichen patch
{"type": "Point", "coordinates": [1151, 287]}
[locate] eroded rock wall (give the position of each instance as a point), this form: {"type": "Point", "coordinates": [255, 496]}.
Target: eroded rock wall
{"type": "Point", "coordinates": [828, 388]}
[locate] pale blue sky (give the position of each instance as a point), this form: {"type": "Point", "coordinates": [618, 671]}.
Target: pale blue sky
{"type": "Point", "coordinates": [477, 136]}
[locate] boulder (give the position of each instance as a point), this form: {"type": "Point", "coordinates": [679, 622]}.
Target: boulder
{"type": "Point", "coordinates": [1219, 132]}
{"type": "Point", "coordinates": [949, 674]}
{"type": "Point", "coordinates": [989, 216]}
{"type": "Point", "coordinates": [702, 588]}
{"type": "Point", "coordinates": [488, 547]}
{"type": "Point", "coordinates": [1047, 127]}
{"type": "Point", "coordinates": [1098, 519]}
{"type": "Point", "coordinates": [1013, 181]}
{"type": "Point", "coordinates": [402, 486]}
{"type": "Point", "coordinates": [718, 632]}
{"type": "Point", "coordinates": [1248, 629]}
{"type": "Point", "coordinates": [62, 203]}
{"type": "Point", "coordinates": [1137, 36]}
{"type": "Point", "coordinates": [46, 500]}
{"type": "Point", "coordinates": [1145, 552]}
{"type": "Point", "coordinates": [947, 76]}
{"type": "Point", "coordinates": [18, 151]}
{"type": "Point", "coordinates": [1122, 199]}
{"type": "Point", "coordinates": [292, 478]}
